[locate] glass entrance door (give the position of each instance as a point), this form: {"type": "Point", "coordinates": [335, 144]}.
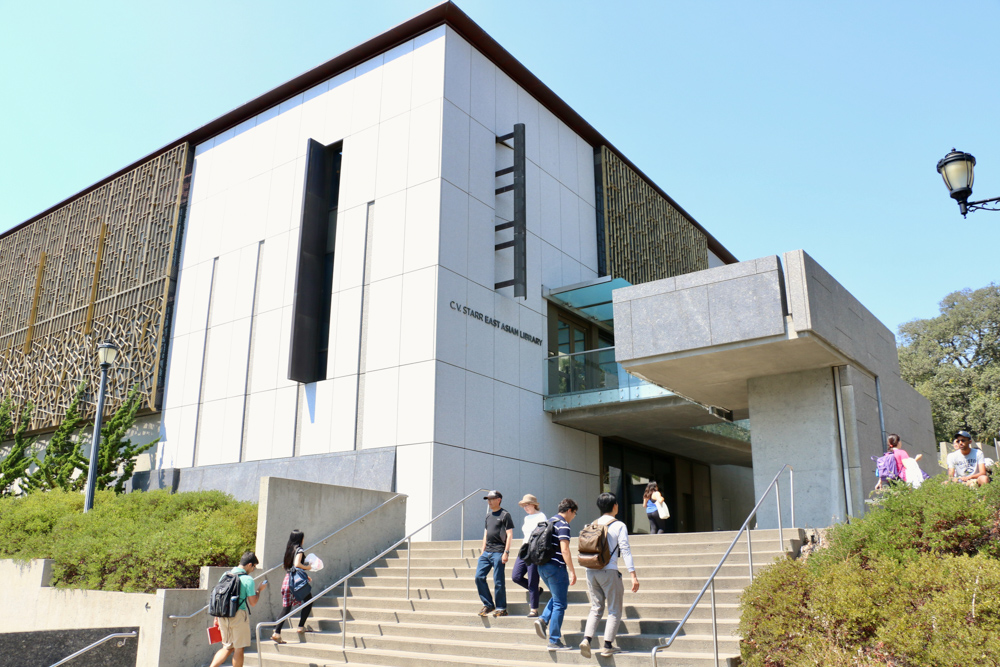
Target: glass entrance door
{"type": "Point", "coordinates": [627, 471]}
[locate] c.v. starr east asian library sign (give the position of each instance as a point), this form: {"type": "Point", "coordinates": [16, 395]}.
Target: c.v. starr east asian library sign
{"type": "Point", "coordinates": [486, 319]}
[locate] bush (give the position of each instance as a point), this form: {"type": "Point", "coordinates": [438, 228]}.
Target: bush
{"type": "Point", "coordinates": [915, 582]}
{"type": "Point", "coordinates": [133, 542]}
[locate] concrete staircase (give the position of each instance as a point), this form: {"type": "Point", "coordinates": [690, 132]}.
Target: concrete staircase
{"type": "Point", "coordinates": [438, 625]}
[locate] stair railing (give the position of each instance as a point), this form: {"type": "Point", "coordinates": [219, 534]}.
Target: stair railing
{"type": "Point", "coordinates": [263, 575]}
{"type": "Point", "coordinates": [710, 584]}
{"type": "Point", "coordinates": [345, 580]}
{"type": "Point", "coordinates": [124, 635]}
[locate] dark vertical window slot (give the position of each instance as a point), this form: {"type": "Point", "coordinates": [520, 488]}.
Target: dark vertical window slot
{"type": "Point", "coordinates": [309, 349]}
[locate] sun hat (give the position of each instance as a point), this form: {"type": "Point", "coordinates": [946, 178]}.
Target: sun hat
{"type": "Point", "coordinates": [528, 500]}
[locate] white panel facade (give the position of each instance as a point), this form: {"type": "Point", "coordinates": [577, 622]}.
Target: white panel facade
{"type": "Point", "coordinates": [460, 399]}
{"type": "Point", "coordinates": [228, 395]}
{"type": "Point", "coordinates": [489, 423]}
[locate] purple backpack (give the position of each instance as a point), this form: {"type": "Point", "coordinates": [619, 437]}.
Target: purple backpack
{"type": "Point", "coordinates": [885, 467]}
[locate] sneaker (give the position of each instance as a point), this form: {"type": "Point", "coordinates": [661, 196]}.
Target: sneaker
{"type": "Point", "coordinates": [533, 613]}
{"type": "Point", "coordinates": [610, 650]}
{"type": "Point", "coordinates": [557, 646]}
{"type": "Point", "coordinates": [585, 648]}
{"type": "Point", "coordinates": [541, 628]}
{"type": "Point", "coordinates": [499, 612]}
{"type": "Point", "coordinates": [486, 611]}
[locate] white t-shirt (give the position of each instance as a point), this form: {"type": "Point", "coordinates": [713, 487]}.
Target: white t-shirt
{"type": "Point", "coordinates": [617, 543]}
{"type": "Point", "coordinates": [530, 521]}
{"type": "Point", "coordinates": [965, 465]}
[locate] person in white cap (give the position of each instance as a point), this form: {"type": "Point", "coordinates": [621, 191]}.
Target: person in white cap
{"type": "Point", "coordinates": [497, 537]}
{"type": "Point", "coordinates": [522, 567]}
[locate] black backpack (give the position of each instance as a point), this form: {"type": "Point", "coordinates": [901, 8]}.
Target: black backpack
{"type": "Point", "coordinates": [538, 548]}
{"type": "Point", "coordinates": [224, 600]}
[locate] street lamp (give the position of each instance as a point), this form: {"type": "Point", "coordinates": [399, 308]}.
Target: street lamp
{"type": "Point", "coordinates": [956, 168]}
{"type": "Point", "coordinates": [107, 352]}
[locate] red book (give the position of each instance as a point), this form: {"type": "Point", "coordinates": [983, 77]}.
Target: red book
{"type": "Point", "coordinates": [214, 635]}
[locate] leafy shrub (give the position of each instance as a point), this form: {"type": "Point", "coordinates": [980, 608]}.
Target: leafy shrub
{"type": "Point", "coordinates": [915, 582]}
{"type": "Point", "coordinates": [132, 542]}
{"type": "Point", "coordinates": [936, 518]}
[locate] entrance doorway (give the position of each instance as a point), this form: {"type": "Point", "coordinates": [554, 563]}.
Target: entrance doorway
{"type": "Point", "coordinates": [684, 484]}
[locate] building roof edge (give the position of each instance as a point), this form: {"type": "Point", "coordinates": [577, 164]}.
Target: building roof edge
{"type": "Point", "coordinates": [445, 13]}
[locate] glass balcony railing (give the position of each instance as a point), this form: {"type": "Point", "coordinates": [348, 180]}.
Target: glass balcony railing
{"type": "Point", "coordinates": [591, 378]}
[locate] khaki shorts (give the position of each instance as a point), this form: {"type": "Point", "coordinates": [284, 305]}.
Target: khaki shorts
{"type": "Point", "coordinates": [235, 631]}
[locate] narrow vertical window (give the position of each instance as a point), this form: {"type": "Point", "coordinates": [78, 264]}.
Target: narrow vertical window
{"type": "Point", "coordinates": [309, 348]}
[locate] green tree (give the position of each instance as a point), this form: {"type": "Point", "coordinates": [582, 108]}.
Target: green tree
{"type": "Point", "coordinates": [954, 360]}
{"type": "Point", "coordinates": [116, 458]}
{"type": "Point", "coordinates": [17, 461]}
{"type": "Point", "coordinates": [63, 454]}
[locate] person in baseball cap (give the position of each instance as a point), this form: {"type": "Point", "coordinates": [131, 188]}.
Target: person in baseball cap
{"type": "Point", "coordinates": [497, 537]}
{"type": "Point", "coordinates": [966, 464]}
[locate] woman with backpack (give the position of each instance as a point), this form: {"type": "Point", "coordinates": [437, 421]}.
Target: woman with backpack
{"type": "Point", "coordinates": [650, 498]}
{"type": "Point", "coordinates": [895, 447]}
{"type": "Point", "coordinates": [522, 567]}
{"type": "Point", "coordinates": [294, 558]}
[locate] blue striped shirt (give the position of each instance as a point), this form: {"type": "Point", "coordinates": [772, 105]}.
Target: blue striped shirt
{"type": "Point", "coordinates": [561, 532]}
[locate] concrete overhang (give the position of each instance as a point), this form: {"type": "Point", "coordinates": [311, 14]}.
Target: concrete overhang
{"type": "Point", "coordinates": [663, 423]}
{"type": "Point", "coordinates": [718, 375]}
{"type": "Point", "coordinates": [703, 335]}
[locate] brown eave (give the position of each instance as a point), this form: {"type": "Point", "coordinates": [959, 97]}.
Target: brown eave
{"type": "Point", "coordinates": [446, 13]}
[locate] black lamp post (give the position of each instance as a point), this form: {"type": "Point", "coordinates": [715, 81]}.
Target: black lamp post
{"type": "Point", "coordinates": [107, 352]}
{"type": "Point", "coordinates": [956, 168]}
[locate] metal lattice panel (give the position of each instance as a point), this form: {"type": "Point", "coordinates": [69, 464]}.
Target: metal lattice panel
{"type": "Point", "coordinates": [645, 237]}
{"type": "Point", "coordinates": [101, 266]}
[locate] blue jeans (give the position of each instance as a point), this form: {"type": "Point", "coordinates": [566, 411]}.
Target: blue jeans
{"type": "Point", "coordinates": [556, 577]}
{"type": "Point", "coordinates": [494, 562]}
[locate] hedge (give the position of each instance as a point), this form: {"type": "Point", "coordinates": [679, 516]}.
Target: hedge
{"type": "Point", "coordinates": [915, 582]}
{"type": "Point", "coordinates": [134, 542]}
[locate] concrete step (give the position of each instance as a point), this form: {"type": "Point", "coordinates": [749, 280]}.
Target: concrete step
{"type": "Point", "coordinates": [452, 559]}
{"type": "Point", "coordinates": [649, 581]}
{"type": "Point", "coordinates": [649, 549]}
{"type": "Point", "coordinates": [503, 629]}
{"type": "Point", "coordinates": [577, 595]}
{"type": "Point", "coordinates": [671, 540]}
{"type": "Point", "coordinates": [363, 618]}
{"type": "Point", "coordinates": [484, 652]}
{"type": "Point", "coordinates": [325, 609]}
{"type": "Point", "coordinates": [651, 566]}
{"type": "Point", "coordinates": [394, 659]}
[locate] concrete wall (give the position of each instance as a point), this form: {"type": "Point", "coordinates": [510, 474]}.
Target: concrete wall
{"type": "Point", "coordinates": [45, 648]}
{"type": "Point", "coordinates": [793, 419]}
{"type": "Point", "coordinates": [764, 337]}
{"type": "Point", "coordinates": [820, 304]}
{"type": "Point", "coordinates": [732, 496]}
{"type": "Point", "coordinates": [318, 510]}
{"type": "Point", "coordinates": [31, 605]}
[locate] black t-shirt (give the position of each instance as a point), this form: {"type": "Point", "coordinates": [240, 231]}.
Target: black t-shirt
{"type": "Point", "coordinates": [497, 525]}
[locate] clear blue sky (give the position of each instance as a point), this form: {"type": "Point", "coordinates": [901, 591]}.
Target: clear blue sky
{"type": "Point", "coordinates": [777, 125]}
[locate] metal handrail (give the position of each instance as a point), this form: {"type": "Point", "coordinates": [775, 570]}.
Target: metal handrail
{"type": "Point", "coordinates": [344, 580]}
{"type": "Point", "coordinates": [263, 575]}
{"type": "Point", "coordinates": [113, 635]}
{"type": "Point", "coordinates": [711, 579]}
{"type": "Point", "coordinates": [573, 354]}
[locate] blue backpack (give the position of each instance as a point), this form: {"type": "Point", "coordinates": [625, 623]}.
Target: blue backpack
{"type": "Point", "coordinates": [885, 467]}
